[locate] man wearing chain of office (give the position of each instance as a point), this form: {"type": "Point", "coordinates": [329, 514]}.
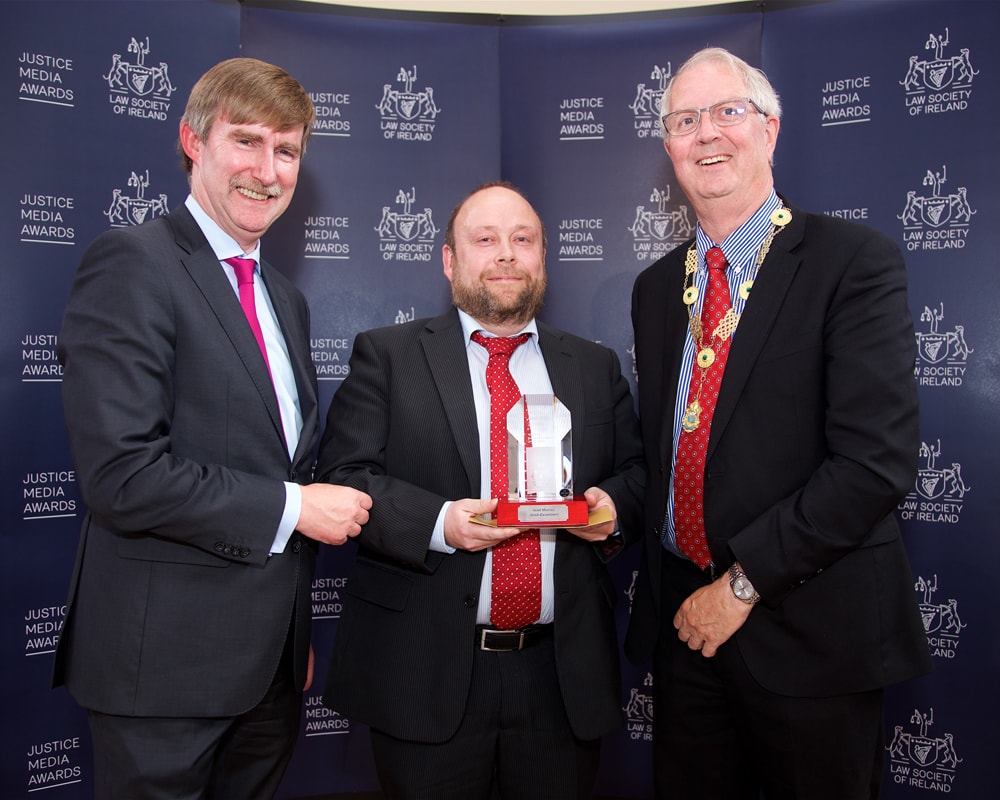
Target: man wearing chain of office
{"type": "Point", "coordinates": [779, 417]}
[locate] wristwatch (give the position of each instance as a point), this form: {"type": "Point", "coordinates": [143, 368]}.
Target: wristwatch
{"type": "Point", "coordinates": [741, 586]}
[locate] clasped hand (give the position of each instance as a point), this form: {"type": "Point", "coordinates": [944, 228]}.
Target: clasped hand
{"type": "Point", "coordinates": [710, 616]}
{"type": "Point", "coordinates": [332, 514]}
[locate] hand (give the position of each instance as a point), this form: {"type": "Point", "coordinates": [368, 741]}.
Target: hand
{"type": "Point", "coordinates": [462, 534]}
{"type": "Point", "coordinates": [332, 514]}
{"type": "Point", "coordinates": [710, 616]}
{"type": "Point", "coordinates": [597, 498]}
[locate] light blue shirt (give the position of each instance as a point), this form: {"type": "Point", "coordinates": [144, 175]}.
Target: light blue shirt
{"type": "Point", "coordinates": [527, 366]}
{"type": "Point", "coordinates": [224, 246]}
{"type": "Point", "coordinates": [740, 248]}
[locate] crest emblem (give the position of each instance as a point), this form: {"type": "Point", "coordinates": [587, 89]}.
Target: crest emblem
{"type": "Point", "coordinates": [933, 483]}
{"type": "Point", "coordinates": [921, 749]}
{"type": "Point", "coordinates": [639, 706]}
{"type": "Point", "coordinates": [646, 105]}
{"type": "Point", "coordinates": [938, 209]}
{"type": "Point", "coordinates": [405, 225]}
{"type": "Point", "coordinates": [136, 77]}
{"type": "Point", "coordinates": [935, 74]}
{"type": "Point", "coordinates": [406, 104]}
{"type": "Point", "coordinates": [935, 347]}
{"type": "Point", "coordinates": [125, 211]}
{"type": "Point", "coordinates": [937, 617]}
{"type": "Point", "coordinates": [661, 225]}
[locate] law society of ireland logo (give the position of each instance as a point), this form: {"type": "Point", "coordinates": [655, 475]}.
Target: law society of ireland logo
{"type": "Point", "coordinates": [658, 230]}
{"type": "Point", "coordinates": [941, 353]}
{"type": "Point", "coordinates": [939, 220]}
{"type": "Point", "coordinates": [639, 711]}
{"type": "Point", "coordinates": [136, 89]}
{"type": "Point", "coordinates": [135, 208]}
{"type": "Point", "coordinates": [920, 760]}
{"type": "Point", "coordinates": [939, 493]}
{"type": "Point", "coordinates": [941, 621]}
{"type": "Point", "coordinates": [940, 84]}
{"type": "Point", "coordinates": [406, 113]}
{"type": "Point", "coordinates": [405, 235]}
{"type": "Point", "coordinates": [646, 105]}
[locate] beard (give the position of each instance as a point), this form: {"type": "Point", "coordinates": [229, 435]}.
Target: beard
{"type": "Point", "coordinates": [482, 303]}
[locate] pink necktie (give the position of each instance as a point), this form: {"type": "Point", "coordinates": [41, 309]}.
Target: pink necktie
{"type": "Point", "coordinates": [244, 280]}
{"type": "Point", "coordinates": [706, 378]}
{"type": "Point", "coordinates": [516, 591]}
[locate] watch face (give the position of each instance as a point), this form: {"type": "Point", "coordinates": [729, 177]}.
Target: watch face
{"type": "Point", "coordinates": [742, 588]}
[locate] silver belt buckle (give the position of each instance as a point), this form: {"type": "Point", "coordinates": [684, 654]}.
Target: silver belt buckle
{"type": "Point", "coordinates": [482, 641]}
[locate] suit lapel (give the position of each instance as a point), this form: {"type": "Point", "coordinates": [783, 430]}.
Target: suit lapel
{"type": "Point", "coordinates": [669, 338]}
{"type": "Point", "coordinates": [769, 290]}
{"type": "Point", "coordinates": [444, 348]}
{"type": "Point", "coordinates": [201, 264]}
{"type": "Point", "coordinates": [302, 367]}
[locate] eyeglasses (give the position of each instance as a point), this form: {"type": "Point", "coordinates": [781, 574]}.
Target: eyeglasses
{"type": "Point", "coordinates": [724, 115]}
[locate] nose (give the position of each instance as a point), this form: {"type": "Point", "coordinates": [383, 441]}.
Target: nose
{"type": "Point", "coordinates": [707, 129]}
{"type": "Point", "coordinates": [264, 167]}
{"type": "Point", "coordinates": [505, 252]}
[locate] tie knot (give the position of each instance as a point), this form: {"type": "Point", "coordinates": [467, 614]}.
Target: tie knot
{"type": "Point", "coordinates": [716, 259]}
{"type": "Point", "coordinates": [500, 345]}
{"type": "Point", "coordinates": [244, 269]}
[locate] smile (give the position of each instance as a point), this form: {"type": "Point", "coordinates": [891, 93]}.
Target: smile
{"type": "Point", "coordinates": [251, 194]}
{"type": "Point", "coordinates": [713, 160]}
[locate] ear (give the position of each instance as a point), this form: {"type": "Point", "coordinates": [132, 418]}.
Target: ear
{"type": "Point", "coordinates": [666, 143]}
{"type": "Point", "coordinates": [190, 142]}
{"type": "Point", "coordinates": [448, 257]}
{"type": "Point", "coordinates": [773, 125]}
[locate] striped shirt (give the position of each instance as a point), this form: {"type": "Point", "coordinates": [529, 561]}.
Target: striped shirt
{"type": "Point", "coordinates": [740, 248]}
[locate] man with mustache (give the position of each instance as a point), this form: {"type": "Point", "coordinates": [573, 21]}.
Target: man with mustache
{"type": "Point", "coordinates": [192, 422]}
{"type": "Point", "coordinates": [463, 700]}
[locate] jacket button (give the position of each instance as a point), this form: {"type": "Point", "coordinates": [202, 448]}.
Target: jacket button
{"type": "Point", "coordinates": [219, 547]}
{"type": "Point", "coordinates": [296, 546]}
{"type": "Point", "coordinates": [471, 601]}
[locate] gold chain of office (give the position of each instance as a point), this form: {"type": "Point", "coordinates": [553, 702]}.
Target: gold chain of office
{"type": "Point", "coordinates": [705, 355]}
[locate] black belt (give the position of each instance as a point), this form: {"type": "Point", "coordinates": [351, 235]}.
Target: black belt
{"type": "Point", "coordinates": [506, 641]}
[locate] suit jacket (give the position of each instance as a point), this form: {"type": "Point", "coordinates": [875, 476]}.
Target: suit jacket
{"type": "Point", "coordinates": [402, 427]}
{"type": "Point", "coordinates": [175, 607]}
{"type": "Point", "coordinates": [813, 444]}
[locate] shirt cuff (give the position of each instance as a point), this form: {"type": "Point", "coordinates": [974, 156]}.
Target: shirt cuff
{"type": "Point", "coordinates": [438, 543]}
{"type": "Point", "coordinates": [289, 519]}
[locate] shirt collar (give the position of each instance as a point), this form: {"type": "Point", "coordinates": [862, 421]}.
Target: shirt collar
{"type": "Point", "coordinates": [741, 246]}
{"type": "Point", "coordinates": [470, 326]}
{"type": "Point", "coordinates": [223, 245]}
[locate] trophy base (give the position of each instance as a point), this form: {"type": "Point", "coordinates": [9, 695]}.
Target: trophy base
{"type": "Point", "coordinates": [550, 514]}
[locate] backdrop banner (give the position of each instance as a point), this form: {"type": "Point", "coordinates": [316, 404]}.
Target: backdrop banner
{"type": "Point", "coordinates": [886, 121]}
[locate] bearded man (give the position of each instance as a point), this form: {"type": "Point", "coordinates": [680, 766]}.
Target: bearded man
{"type": "Point", "coordinates": [463, 698]}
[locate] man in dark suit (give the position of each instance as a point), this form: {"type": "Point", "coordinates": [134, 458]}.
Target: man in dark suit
{"type": "Point", "coordinates": [458, 705]}
{"type": "Point", "coordinates": [775, 596]}
{"type": "Point", "coordinates": [187, 634]}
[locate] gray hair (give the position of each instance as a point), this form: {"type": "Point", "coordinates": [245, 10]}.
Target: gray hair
{"type": "Point", "coordinates": [759, 88]}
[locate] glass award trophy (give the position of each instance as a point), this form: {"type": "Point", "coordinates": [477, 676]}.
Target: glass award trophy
{"type": "Point", "coordinates": [540, 466]}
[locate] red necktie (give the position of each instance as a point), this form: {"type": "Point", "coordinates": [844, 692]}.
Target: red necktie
{"type": "Point", "coordinates": [516, 592]}
{"type": "Point", "coordinates": [244, 280]}
{"type": "Point", "coordinates": [706, 377]}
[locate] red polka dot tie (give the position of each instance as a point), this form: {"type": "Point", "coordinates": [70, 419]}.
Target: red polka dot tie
{"type": "Point", "coordinates": [516, 591]}
{"type": "Point", "coordinates": [712, 350]}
